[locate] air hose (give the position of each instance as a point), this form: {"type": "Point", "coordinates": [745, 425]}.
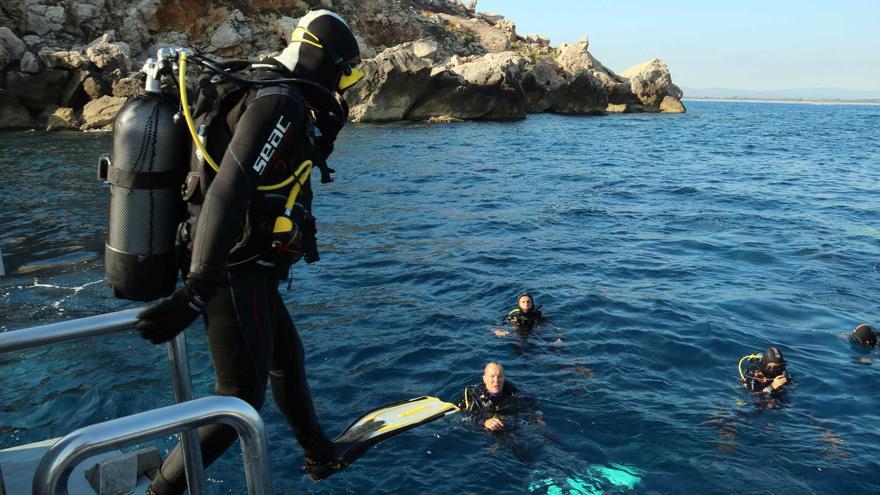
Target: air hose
{"type": "Point", "coordinates": [184, 103]}
{"type": "Point", "coordinates": [749, 357]}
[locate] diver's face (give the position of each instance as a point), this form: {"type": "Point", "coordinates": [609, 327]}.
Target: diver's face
{"type": "Point", "coordinates": [525, 303]}
{"type": "Point", "coordinates": [774, 369]}
{"type": "Point", "coordinates": [493, 378]}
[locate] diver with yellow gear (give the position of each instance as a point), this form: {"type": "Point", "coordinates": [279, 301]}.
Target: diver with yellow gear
{"type": "Point", "coordinates": [765, 373]}
{"type": "Point", "coordinates": [525, 315]}
{"type": "Point", "coordinates": [239, 237]}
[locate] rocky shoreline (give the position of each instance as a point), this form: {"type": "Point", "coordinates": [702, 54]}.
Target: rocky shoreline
{"type": "Point", "coordinates": [71, 64]}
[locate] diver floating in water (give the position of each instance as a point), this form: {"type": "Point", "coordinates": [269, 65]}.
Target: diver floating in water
{"type": "Point", "coordinates": [525, 315]}
{"type": "Point", "coordinates": [495, 400]}
{"type": "Point", "coordinates": [863, 340]}
{"type": "Point", "coordinates": [766, 373]}
{"type": "Point", "coordinates": [864, 334]}
{"type": "Point", "coordinates": [499, 407]}
{"type": "Point", "coordinates": [524, 319]}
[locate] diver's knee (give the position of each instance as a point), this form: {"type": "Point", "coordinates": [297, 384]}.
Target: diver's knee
{"type": "Point", "coordinates": [252, 395]}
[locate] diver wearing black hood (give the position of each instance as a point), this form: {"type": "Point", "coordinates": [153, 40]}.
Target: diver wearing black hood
{"type": "Point", "coordinates": [525, 315]}
{"type": "Point", "coordinates": [768, 374]}
{"type": "Point", "coordinates": [864, 334]}
{"type": "Point", "coordinates": [232, 261]}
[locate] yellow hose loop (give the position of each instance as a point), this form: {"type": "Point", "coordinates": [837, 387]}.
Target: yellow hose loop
{"type": "Point", "coordinates": [740, 365]}
{"type": "Point", "coordinates": [305, 168]}
{"type": "Point", "coordinates": [187, 116]}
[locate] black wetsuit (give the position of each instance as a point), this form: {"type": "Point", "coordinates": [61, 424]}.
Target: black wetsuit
{"type": "Point", "coordinates": [251, 335]}
{"type": "Point", "coordinates": [524, 320]}
{"type": "Point", "coordinates": [756, 381]}
{"type": "Point", "coordinates": [478, 405]}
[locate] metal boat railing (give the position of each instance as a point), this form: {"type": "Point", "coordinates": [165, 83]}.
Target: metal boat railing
{"type": "Point", "coordinates": [28, 338]}
{"type": "Point", "coordinates": [56, 465]}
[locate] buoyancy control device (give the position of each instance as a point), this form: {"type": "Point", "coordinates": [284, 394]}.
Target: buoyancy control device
{"type": "Point", "coordinates": [144, 172]}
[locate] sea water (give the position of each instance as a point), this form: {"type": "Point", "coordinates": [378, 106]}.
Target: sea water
{"type": "Point", "coordinates": [662, 247]}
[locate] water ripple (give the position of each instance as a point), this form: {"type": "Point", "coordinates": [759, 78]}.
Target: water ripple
{"type": "Point", "coordinates": [662, 248]}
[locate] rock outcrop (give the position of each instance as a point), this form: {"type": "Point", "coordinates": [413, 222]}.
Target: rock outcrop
{"type": "Point", "coordinates": [99, 114]}
{"type": "Point", "coordinates": [423, 59]}
{"type": "Point", "coordinates": [576, 57]}
{"type": "Point", "coordinates": [652, 84]}
{"type": "Point", "coordinates": [393, 83]}
{"type": "Point", "coordinates": [486, 88]}
{"type": "Point", "coordinates": [62, 118]}
{"type": "Point", "coordinates": [14, 115]}
{"type": "Point", "coordinates": [11, 47]}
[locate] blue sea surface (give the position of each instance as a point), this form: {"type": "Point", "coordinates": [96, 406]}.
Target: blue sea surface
{"type": "Point", "coordinates": [662, 247]}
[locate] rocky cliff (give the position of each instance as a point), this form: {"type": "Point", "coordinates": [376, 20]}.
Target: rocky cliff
{"type": "Point", "coordinates": [72, 63]}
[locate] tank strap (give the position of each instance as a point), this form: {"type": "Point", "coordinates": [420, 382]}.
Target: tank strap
{"type": "Point", "coordinates": [143, 180]}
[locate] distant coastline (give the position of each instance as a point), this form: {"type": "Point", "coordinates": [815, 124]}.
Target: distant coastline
{"type": "Point", "coordinates": [801, 101]}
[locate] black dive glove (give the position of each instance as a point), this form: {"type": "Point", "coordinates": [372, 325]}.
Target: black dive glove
{"type": "Point", "coordinates": [329, 123]}
{"type": "Point", "coordinates": [163, 321]}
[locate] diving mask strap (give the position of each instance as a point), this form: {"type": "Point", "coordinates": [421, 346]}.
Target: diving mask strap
{"type": "Point", "coordinates": [350, 76]}
{"type": "Point", "coordinates": [315, 41]}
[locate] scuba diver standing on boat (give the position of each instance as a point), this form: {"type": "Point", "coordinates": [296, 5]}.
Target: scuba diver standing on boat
{"type": "Point", "coordinates": [266, 137]}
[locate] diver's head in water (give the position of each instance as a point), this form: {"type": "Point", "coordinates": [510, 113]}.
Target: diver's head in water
{"type": "Point", "coordinates": [493, 377]}
{"type": "Point", "coordinates": [772, 363]}
{"type": "Point", "coordinates": [323, 49]}
{"type": "Point", "coordinates": [526, 303]}
{"type": "Point", "coordinates": [864, 334]}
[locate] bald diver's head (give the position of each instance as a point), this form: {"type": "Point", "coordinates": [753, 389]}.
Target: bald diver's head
{"type": "Point", "coordinates": [493, 377]}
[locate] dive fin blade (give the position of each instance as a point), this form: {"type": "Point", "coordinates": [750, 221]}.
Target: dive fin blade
{"type": "Point", "coordinates": [377, 425]}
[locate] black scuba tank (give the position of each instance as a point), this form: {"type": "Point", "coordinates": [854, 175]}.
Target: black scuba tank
{"type": "Point", "coordinates": [145, 172]}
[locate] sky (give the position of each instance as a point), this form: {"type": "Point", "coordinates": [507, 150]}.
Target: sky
{"type": "Point", "coordinates": [747, 44]}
